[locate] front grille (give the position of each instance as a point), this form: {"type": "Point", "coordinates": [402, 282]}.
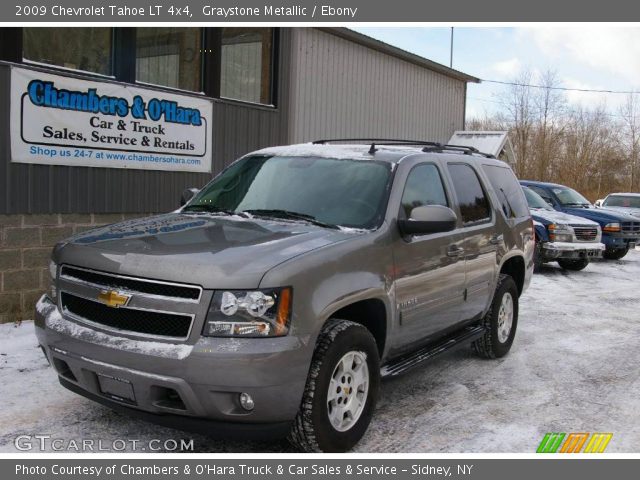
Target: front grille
{"type": "Point", "coordinates": [630, 227]}
{"type": "Point", "coordinates": [586, 234]}
{"type": "Point", "coordinates": [139, 321]}
{"type": "Point", "coordinates": [132, 284]}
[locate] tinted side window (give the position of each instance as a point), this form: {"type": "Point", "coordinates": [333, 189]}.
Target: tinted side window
{"type": "Point", "coordinates": [508, 190]}
{"type": "Point", "coordinates": [474, 206]}
{"type": "Point", "coordinates": [423, 187]}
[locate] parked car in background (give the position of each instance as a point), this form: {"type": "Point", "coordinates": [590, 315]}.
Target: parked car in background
{"type": "Point", "coordinates": [567, 239]}
{"type": "Point", "coordinates": [620, 231]}
{"type": "Point", "coordinates": [277, 297]}
{"type": "Point", "coordinates": [621, 202]}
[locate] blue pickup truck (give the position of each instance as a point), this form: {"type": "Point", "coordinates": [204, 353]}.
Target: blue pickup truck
{"type": "Point", "coordinates": [569, 240]}
{"type": "Point", "coordinates": [620, 231]}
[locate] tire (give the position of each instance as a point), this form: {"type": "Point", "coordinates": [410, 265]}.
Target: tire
{"type": "Point", "coordinates": [496, 343]}
{"type": "Point", "coordinates": [313, 430]}
{"type": "Point", "coordinates": [537, 258]}
{"type": "Point", "coordinates": [575, 265]}
{"type": "Point", "coordinates": [615, 254]}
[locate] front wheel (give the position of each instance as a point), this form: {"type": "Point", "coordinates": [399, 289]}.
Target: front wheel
{"type": "Point", "coordinates": [500, 321]}
{"type": "Point", "coordinates": [341, 390]}
{"type": "Point", "coordinates": [573, 264]}
{"type": "Point", "coordinates": [615, 254]}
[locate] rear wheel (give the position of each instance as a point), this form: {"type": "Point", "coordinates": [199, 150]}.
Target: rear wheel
{"type": "Point", "coordinates": [573, 264]}
{"type": "Point", "coordinates": [500, 321]}
{"type": "Point", "coordinates": [615, 254]}
{"type": "Point", "coordinates": [341, 390]}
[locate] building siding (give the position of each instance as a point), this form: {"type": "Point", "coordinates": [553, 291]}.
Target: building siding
{"type": "Point", "coordinates": [34, 189]}
{"type": "Point", "coordinates": [340, 88]}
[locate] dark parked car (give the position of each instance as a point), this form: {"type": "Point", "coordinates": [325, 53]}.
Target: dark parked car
{"type": "Point", "coordinates": [620, 231]}
{"type": "Point", "coordinates": [567, 239]}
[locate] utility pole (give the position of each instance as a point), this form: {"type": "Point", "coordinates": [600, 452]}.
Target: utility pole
{"type": "Point", "coordinates": [451, 50]}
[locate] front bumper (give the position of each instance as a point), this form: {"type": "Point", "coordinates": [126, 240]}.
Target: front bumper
{"type": "Point", "coordinates": [164, 380]}
{"type": "Point", "coordinates": [567, 250]}
{"type": "Point", "coordinates": [614, 241]}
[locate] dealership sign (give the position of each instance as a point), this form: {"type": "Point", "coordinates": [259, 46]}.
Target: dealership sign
{"type": "Point", "coordinates": [57, 120]}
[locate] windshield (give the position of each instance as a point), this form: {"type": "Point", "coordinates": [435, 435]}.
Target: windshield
{"type": "Point", "coordinates": [629, 201]}
{"type": "Point", "coordinates": [349, 193]}
{"type": "Point", "coordinates": [569, 197]}
{"type": "Point", "coordinates": [534, 200]}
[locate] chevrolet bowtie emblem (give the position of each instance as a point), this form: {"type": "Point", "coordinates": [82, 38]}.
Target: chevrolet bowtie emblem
{"type": "Point", "coordinates": [111, 298]}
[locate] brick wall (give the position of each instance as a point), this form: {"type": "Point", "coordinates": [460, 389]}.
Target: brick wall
{"type": "Point", "coordinates": [25, 247]}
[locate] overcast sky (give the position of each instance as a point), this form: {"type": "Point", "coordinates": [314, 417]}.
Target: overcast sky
{"type": "Point", "coordinates": [592, 57]}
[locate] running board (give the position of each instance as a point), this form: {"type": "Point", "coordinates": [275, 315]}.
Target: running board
{"type": "Point", "coordinates": [402, 364]}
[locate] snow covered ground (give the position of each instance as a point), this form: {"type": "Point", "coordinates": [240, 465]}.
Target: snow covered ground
{"type": "Point", "coordinates": [574, 367]}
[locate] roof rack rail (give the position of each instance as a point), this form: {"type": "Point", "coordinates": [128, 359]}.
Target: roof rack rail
{"type": "Point", "coordinates": [388, 141]}
{"type": "Point", "coordinates": [428, 146]}
{"type": "Point", "coordinates": [457, 148]}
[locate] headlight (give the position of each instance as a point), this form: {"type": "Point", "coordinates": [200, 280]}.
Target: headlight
{"type": "Point", "coordinates": [560, 233]}
{"type": "Point", "coordinates": [611, 227]}
{"type": "Point", "coordinates": [249, 313]}
{"type": "Point", "coordinates": [53, 273]}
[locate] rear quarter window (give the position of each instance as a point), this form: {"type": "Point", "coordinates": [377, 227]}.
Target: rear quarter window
{"type": "Point", "coordinates": [512, 200]}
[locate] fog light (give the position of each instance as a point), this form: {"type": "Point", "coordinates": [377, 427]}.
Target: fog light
{"type": "Point", "coordinates": [246, 401]}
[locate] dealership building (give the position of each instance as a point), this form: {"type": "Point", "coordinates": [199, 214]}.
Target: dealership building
{"type": "Point", "coordinates": [102, 124]}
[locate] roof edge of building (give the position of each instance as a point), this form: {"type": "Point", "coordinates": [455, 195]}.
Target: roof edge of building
{"type": "Point", "coordinates": [383, 47]}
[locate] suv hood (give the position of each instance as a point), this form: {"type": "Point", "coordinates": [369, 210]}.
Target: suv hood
{"type": "Point", "coordinates": [601, 215]}
{"type": "Point", "coordinates": [629, 210]}
{"type": "Point", "coordinates": [547, 217]}
{"type": "Point", "coordinates": [208, 250]}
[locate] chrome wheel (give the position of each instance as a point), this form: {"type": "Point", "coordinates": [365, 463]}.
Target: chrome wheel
{"type": "Point", "coordinates": [348, 391]}
{"type": "Point", "coordinates": [505, 317]}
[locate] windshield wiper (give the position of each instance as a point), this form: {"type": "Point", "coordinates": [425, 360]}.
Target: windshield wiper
{"type": "Point", "coordinates": [289, 215]}
{"type": "Point", "coordinates": [211, 209]}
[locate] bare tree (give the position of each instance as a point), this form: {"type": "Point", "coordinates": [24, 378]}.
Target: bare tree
{"type": "Point", "coordinates": [630, 113]}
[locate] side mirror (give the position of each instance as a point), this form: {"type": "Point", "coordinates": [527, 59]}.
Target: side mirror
{"type": "Point", "coordinates": [598, 203]}
{"type": "Point", "coordinates": [428, 219]}
{"type": "Point", "coordinates": [187, 195]}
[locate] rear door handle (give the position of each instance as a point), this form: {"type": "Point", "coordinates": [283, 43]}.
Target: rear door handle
{"type": "Point", "coordinates": [496, 239]}
{"type": "Point", "coordinates": [454, 251]}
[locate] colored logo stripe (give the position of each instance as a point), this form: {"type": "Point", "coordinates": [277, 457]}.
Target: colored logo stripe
{"type": "Point", "coordinates": [573, 442]}
{"type": "Point", "coordinates": [598, 442]}
{"type": "Point", "coordinates": [550, 443]}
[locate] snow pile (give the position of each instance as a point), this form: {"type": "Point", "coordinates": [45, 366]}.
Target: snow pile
{"type": "Point", "coordinates": [573, 368]}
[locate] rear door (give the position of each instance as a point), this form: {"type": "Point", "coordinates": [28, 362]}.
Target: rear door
{"type": "Point", "coordinates": [429, 269]}
{"type": "Point", "coordinates": [480, 238]}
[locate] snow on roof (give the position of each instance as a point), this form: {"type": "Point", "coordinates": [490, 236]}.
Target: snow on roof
{"type": "Point", "coordinates": [496, 143]}
{"type": "Point", "coordinates": [340, 152]}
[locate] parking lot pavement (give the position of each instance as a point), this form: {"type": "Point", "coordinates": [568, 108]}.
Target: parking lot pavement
{"type": "Point", "coordinates": [573, 368]}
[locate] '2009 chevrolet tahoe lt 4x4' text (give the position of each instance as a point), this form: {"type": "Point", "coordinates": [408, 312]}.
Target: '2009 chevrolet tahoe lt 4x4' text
{"type": "Point", "coordinates": [273, 302]}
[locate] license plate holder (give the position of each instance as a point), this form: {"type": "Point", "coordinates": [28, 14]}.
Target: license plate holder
{"type": "Point", "coordinates": [116, 388]}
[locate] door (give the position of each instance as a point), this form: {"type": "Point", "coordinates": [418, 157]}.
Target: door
{"type": "Point", "coordinates": [480, 239]}
{"type": "Point", "coordinates": [429, 269]}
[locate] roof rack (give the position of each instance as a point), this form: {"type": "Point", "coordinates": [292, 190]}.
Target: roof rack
{"type": "Point", "coordinates": [428, 146]}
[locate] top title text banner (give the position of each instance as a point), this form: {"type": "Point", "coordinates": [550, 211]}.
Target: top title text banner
{"type": "Point", "coordinates": [279, 11]}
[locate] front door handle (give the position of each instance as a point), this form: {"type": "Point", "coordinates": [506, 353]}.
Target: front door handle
{"type": "Point", "coordinates": [454, 251]}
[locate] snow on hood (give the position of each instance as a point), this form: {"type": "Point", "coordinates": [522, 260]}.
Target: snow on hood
{"type": "Point", "coordinates": [630, 210]}
{"type": "Point", "coordinates": [555, 216]}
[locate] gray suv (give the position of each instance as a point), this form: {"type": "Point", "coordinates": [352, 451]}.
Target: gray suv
{"type": "Point", "coordinates": [275, 300]}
